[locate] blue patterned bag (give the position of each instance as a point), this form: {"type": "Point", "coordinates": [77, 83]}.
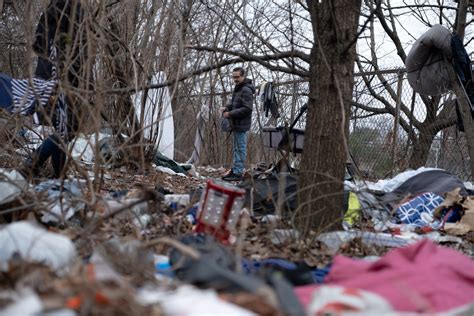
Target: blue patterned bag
{"type": "Point", "coordinates": [419, 211]}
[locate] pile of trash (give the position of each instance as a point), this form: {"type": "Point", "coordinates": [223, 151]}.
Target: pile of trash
{"type": "Point", "coordinates": [176, 240]}
{"type": "Point", "coordinates": [194, 274]}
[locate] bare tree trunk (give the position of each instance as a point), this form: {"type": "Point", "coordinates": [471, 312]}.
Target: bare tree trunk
{"type": "Point", "coordinates": [125, 111]}
{"type": "Point", "coordinates": [463, 100]}
{"type": "Point", "coordinates": [421, 149]}
{"type": "Point", "coordinates": [460, 23]}
{"type": "Point", "coordinates": [324, 157]}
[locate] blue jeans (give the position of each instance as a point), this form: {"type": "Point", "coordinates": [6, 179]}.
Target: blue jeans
{"type": "Point", "coordinates": [50, 148]}
{"type": "Point", "coordinates": [240, 152]}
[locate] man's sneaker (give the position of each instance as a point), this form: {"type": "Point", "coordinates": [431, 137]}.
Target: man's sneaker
{"type": "Point", "coordinates": [232, 177]}
{"type": "Point", "coordinates": [227, 174]}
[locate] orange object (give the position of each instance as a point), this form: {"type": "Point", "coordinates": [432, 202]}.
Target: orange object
{"type": "Point", "coordinates": [74, 302]}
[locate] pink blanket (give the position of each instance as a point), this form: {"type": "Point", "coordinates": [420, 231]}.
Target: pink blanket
{"type": "Point", "coordinates": [422, 277]}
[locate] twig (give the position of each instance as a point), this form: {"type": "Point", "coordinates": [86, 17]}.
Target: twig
{"type": "Point", "coordinates": [176, 244]}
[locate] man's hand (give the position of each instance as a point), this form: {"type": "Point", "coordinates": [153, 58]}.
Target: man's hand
{"type": "Point", "coordinates": [226, 114]}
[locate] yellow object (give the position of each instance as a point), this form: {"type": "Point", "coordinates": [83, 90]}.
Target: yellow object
{"type": "Point", "coordinates": [353, 209]}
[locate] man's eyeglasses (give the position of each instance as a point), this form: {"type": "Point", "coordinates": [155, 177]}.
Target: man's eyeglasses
{"type": "Point", "coordinates": [235, 77]}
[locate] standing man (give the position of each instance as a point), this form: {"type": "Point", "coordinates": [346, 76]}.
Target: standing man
{"type": "Point", "coordinates": [60, 42]}
{"type": "Point", "coordinates": [239, 112]}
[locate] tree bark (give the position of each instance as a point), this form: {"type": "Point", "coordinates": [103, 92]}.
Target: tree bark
{"type": "Point", "coordinates": [421, 148]}
{"type": "Point", "coordinates": [331, 82]}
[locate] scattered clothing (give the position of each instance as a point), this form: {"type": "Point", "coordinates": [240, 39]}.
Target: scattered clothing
{"type": "Point", "coordinates": [33, 97]}
{"type": "Point", "coordinates": [423, 277]}
{"type": "Point", "coordinates": [23, 96]}
{"type": "Point", "coordinates": [296, 273]}
{"type": "Point", "coordinates": [161, 160]}
{"type": "Point", "coordinates": [352, 207]}
{"type": "Point", "coordinates": [268, 99]}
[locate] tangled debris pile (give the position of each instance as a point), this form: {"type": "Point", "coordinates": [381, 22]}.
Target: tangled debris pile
{"type": "Point", "coordinates": [131, 248]}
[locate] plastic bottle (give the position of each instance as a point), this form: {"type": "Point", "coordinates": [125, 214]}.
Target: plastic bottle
{"type": "Point", "coordinates": [163, 266]}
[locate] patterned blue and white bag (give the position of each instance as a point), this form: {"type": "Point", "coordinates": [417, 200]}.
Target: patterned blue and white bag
{"type": "Point", "coordinates": [419, 211]}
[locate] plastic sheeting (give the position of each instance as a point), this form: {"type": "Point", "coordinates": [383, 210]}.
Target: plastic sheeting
{"type": "Point", "coordinates": [388, 185]}
{"type": "Point", "coordinates": [12, 183]}
{"type": "Point", "coordinates": [65, 199]}
{"type": "Point", "coordinates": [83, 146]}
{"type": "Point", "coordinates": [158, 115]}
{"type": "Point", "coordinates": [334, 240]}
{"type": "Point", "coordinates": [35, 244]}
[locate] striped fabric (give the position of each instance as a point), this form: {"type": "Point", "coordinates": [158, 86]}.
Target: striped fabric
{"type": "Point", "coordinates": [32, 97]}
{"type": "Point", "coordinates": [29, 93]}
{"type": "Point", "coordinates": [61, 115]}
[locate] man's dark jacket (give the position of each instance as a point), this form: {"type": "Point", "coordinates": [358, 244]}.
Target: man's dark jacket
{"type": "Point", "coordinates": [58, 26]}
{"type": "Point", "coordinates": [62, 26]}
{"type": "Point", "coordinates": [241, 105]}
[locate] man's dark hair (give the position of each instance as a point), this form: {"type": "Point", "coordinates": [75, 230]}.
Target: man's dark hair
{"type": "Point", "coordinates": [240, 70]}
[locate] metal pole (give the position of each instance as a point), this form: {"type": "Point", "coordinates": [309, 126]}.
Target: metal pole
{"type": "Point", "coordinates": [396, 120]}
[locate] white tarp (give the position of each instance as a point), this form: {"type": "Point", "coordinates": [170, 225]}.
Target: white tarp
{"type": "Point", "coordinates": [202, 118]}
{"type": "Point", "coordinates": [158, 116]}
